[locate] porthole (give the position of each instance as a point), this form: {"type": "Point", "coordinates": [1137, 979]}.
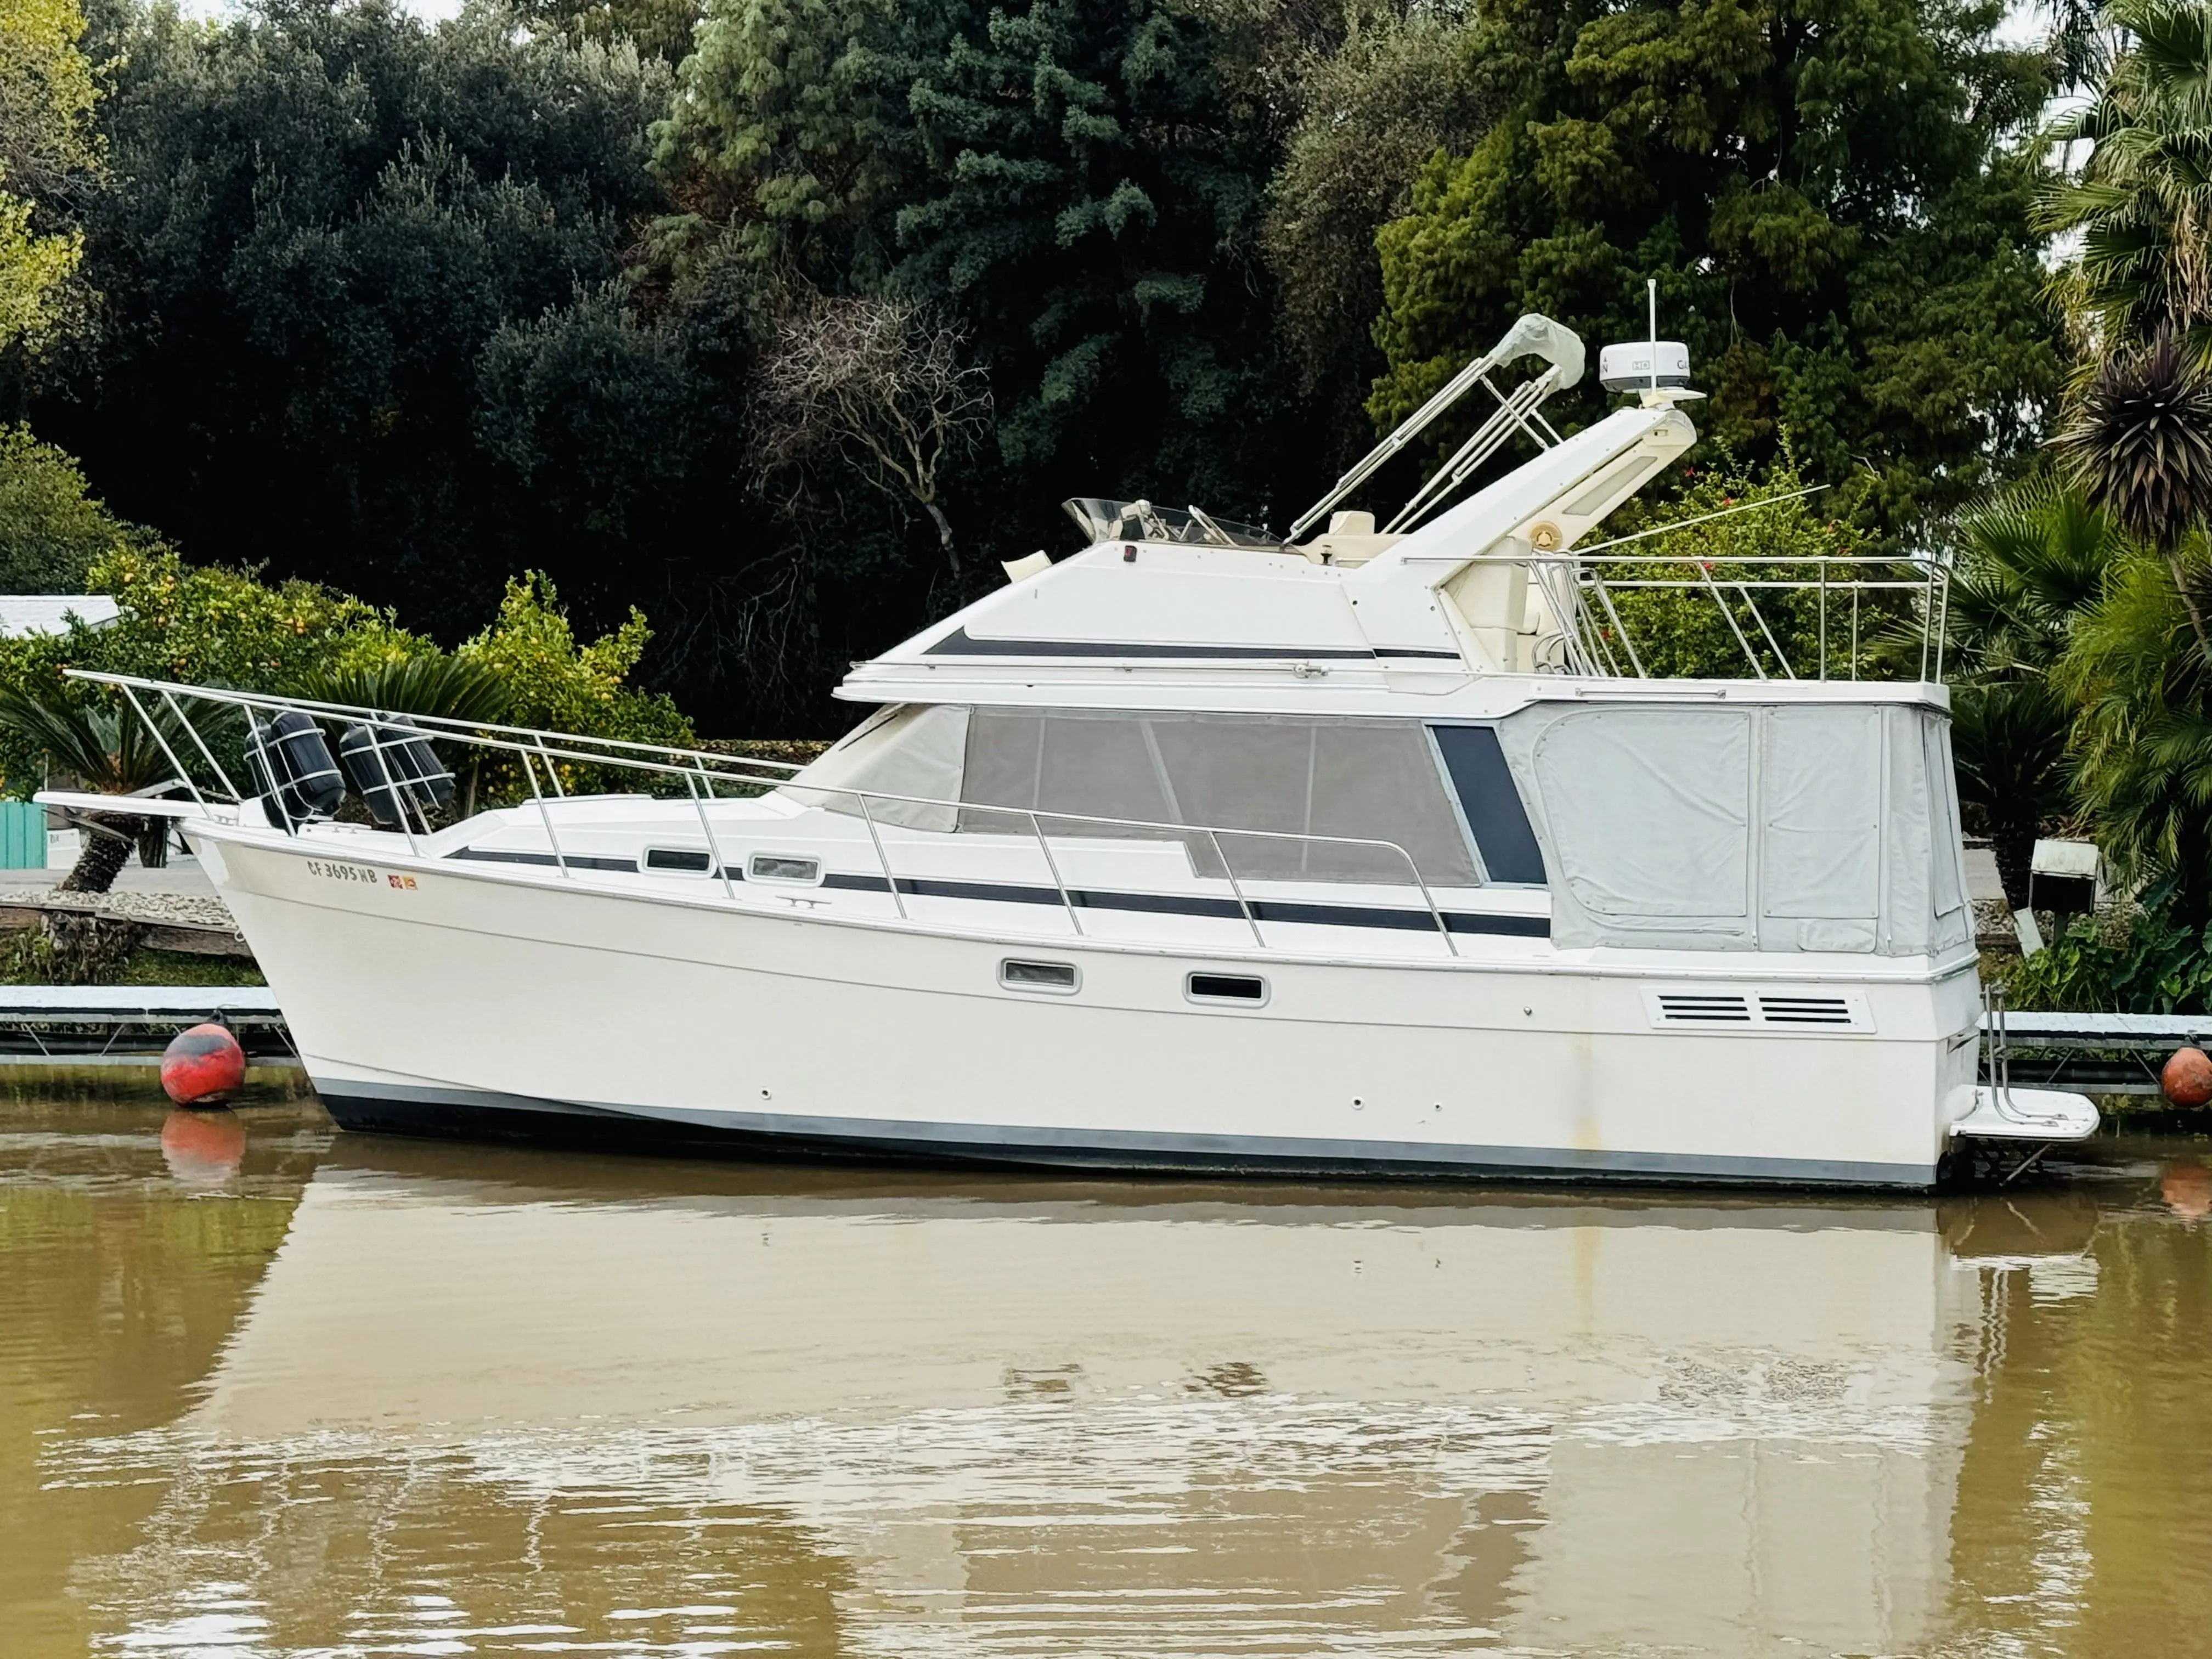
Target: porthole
{"type": "Point", "coordinates": [1058, 977]}
{"type": "Point", "coordinates": [783, 866]}
{"type": "Point", "coordinates": [686, 859]}
{"type": "Point", "coordinates": [1242, 990]}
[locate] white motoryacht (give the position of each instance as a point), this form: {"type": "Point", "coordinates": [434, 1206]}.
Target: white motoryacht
{"type": "Point", "coordinates": [1357, 851]}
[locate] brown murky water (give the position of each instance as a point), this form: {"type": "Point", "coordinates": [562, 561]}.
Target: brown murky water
{"type": "Point", "coordinates": [268, 1390]}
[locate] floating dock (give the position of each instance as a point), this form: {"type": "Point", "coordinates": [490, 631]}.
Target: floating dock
{"type": "Point", "coordinates": [2098, 1054]}
{"type": "Point", "coordinates": [130, 1024]}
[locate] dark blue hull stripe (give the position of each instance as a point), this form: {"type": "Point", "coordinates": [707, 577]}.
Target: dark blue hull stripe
{"type": "Point", "coordinates": [1156, 904]}
{"type": "Point", "coordinates": [575, 861]}
{"type": "Point", "coordinates": [1173, 904]}
{"type": "Point", "coordinates": [961, 643]}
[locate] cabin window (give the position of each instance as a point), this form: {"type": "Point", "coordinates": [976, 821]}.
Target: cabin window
{"type": "Point", "coordinates": [1262, 781]}
{"type": "Point", "coordinates": [1491, 804]}
{"type": "Point", "coordinates": [677, 858]}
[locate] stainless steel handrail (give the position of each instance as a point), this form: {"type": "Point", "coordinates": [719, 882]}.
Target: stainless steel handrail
{"type": "Point", "coordinates": [1602, 572]}
{"type": "Point", "coordinates": [549, 747]}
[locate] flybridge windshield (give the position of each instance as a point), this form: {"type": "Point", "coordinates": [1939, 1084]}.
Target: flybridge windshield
{"type": "Point", "coordinates": [1107, 521]}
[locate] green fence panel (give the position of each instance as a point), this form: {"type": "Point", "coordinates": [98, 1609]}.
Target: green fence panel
{"type": "Point", "coordinates": [22, 836]}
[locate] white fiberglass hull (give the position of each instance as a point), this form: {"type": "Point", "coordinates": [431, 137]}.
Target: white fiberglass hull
{"type": "Point", "coordinates": [428, 998]}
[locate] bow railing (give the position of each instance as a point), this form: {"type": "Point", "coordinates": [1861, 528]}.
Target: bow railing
{"type": "Point", "coordinates": [703, 775]}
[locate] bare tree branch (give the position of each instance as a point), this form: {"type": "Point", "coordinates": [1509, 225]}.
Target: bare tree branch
{"type": "Point", "coordinates": [878, 381]}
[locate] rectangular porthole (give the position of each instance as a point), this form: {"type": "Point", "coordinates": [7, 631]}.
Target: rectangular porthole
{"type": "Point", "coordinates": [782, 867]}
{"type": "Point", "coordinates": [1246, 989]}
{"type": "Point", "coordinates": [677, 857]}
{"type": "Point", "coordinates": [1056, 977]}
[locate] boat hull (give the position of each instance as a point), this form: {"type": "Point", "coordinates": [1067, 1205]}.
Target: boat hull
{"type": "Point", "coordinates": [490, 1003]}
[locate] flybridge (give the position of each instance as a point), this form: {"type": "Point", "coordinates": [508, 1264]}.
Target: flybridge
{"type": "Point", "coordinates": [1507, 581]}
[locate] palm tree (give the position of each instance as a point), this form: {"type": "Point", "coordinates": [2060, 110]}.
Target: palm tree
{"type": "Point", "coordinates": [437, 684]}
{"type": "Point", "coordinates": [2141, 203]}
{"type": "Point", "coordinates": [2030, 563]}
{"type": "Point", "coordinates": [109, 754]}
{"type": "Point", "coordinates": [2139, 443]}
{"type": "Point", "coordinates": [2143, 731]}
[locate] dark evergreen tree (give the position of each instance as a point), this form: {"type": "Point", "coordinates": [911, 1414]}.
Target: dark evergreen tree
{"type": "Point", "coordinates": [1091, 206]}
{"type": "Point", "coordinates": [318, 218]}
{"type": "Point", "coordinates": [1836, 202]}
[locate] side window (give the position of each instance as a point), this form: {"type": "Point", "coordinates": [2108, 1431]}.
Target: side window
{"type": "Point", "coordinates": [1266, 783]}
{"type": "Point", "coordinates": [1484, 784]}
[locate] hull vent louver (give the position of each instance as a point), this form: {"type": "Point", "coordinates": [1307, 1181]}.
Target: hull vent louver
{"type": "Point", "coordinates": [1683, 1008]}
{"type": "Point", "coordinates": [1805, 1010]}
{"type": "Point", "coordinates": [1687, 1008]}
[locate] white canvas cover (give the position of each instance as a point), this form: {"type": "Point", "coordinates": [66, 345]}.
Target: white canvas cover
{"type": "Point", "coordinates": [913, 749]}
{"type": "Point", "coordinates": [1784, 828]}
{"type": "Point", "coordinates": [1954, 915]}
{"type": "Point", "coordinates": [1821, 859]}
{"type": "Point", "coordinates": [1650, 812]}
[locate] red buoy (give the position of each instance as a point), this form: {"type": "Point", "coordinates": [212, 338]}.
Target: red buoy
{"type": "Point", "coordinates": [204, 1066]}
{"type": "Point", "coordinates": [2187, 1078]}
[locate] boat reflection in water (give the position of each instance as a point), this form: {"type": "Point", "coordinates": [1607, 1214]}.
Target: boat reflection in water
{"type": "Point", "coordinates": [650, 1404]}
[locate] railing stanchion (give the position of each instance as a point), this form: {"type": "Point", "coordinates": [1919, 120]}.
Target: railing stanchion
{"type": "Point", "coordinates": [890, 880]}
{"type": "Point", "coordinates": [1605, 599]}
{"type": "Point", "coordinates": [1823, 616]}
{"type": "Point", "coordinates": [200, 743]}
{"type": "Point", "coordinates": [1728, 616]}
{"type": "Point", "coordinates": [184, 776]}
{"type": "Point", "coordinates": [714, 850]}
{"type": "Point", "coordinates": [1237, 888]}
{"type": "Point", "coordinates": [1942, 618]}
{"type": "Point", "coordinates": [1428, 898]}
{"type": "Point", "coordinates": [399, 803]}
{"type": "Point", "coordinates": [545, 816]}
{"type": "Point", "coordinates": [1052, 866]}
{"type": "Point", "coordinates": [552, 772]}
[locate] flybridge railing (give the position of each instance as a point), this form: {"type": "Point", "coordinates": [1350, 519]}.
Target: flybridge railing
{"type": "Point", "coordinates": [1829, 612]}
{"type": "Point", "coordinates": [699, 771]}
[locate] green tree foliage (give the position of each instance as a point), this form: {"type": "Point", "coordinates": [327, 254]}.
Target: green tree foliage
{"type": "Point", "coordinates": [2139, 962]}
{"type": "Point", "coordinates": [1826, 199]}
{"type": "Point", "coordinates": [320, 216]}
{"type": "Point", "coordinates": [2142, 202]}
{"type": "Point", "coordinates": [1091, 208]}
{"type": "Point", "coordinates": [46, 144]}
{"type": "Point", "coordinates": [1370, 114]}
{"type": "Point", "coordinates": [2144, 728]}
{"type": "Point", "coordinates": [1703, 625]}
{"type": "Point", "coordinates": [1075, 183]}
{"type": "Point", "coordinates": [51, 528]}
{"type": "Point", "coordinates": [2030, 563]}
{"type": "Point", "coordinates": [554, 683]}
{"type": "Point", "coordinates": [789, 141]}
{"type": "Point", "coordinates": [662, 27]}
